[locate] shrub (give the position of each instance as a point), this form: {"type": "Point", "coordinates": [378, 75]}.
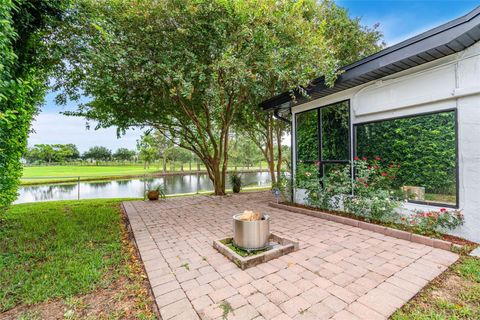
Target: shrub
{"type": "Point", "coordinates": [236, 182]}
{"type": "Point", "coordinates": [432, 222]}
{"type": "Point", "coordinates": [284, 185]}
{"type": "Point", "coordinates": [368, 195]}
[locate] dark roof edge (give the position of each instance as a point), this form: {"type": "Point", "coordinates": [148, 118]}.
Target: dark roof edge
{"type": "Point", "coordinates": [279, 101]}
{"type": "Point", "coordinates": [422, 36]}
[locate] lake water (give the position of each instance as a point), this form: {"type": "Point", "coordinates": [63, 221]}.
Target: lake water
{"type": "Point", "coordinates": [130, 188]}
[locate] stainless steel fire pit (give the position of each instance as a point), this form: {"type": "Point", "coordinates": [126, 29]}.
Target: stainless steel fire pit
{"type": "Point", "coordinates": [251, 235]}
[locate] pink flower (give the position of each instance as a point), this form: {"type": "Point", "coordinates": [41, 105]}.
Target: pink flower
{"type": "Point", "coordinates": [443, 210]}
{"type": "Point", "coordinates": [356, 158]}
{"type": "Point", "coordinates": [384, 174]}
{"type": "Point", "coordinates": [378, 158]}
{"type": "Point", "coordinates": [364, 159]}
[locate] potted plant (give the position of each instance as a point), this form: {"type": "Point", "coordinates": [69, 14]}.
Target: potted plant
{"type": "Point", "coordinates": [236, 182]}
{"type": "Point", "coordinates": [155, 193]}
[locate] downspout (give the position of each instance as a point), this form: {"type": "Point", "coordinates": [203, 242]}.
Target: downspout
{"type": "Point", "coordinates": [279, 117]}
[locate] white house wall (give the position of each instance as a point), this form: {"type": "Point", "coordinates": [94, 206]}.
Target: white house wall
{"type": "Point", "coordinates": [449, 83]}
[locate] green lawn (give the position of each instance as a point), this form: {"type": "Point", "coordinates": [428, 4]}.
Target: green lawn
{"type": "Point", "coordinates": [454, 295]}
{"type": "Point", "coordinates": [82, 171]}
{"type": "Point", "coordinates": [58, 250]}
{"type": "Point", "coordinates": [51, 174]}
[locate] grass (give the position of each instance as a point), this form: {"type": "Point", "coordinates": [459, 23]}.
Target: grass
{"type": "Point", "coordinates": [454, 295]}
{"type": "Point", "coordinates": [68, 173]}
{"type": "Point", "coordinates": [44, 174]}
{"type": "Point", "coordinates": [60, 250]}
{"type": "Point", "coordinates": [227, 309]}
{"type": "Point", "coordinates": [441, 198]}
{"type": "Point", "coordinates": [241, 252]}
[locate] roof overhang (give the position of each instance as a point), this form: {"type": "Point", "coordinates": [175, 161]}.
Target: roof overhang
{"type": "Point", "coordinates": [444, 40]}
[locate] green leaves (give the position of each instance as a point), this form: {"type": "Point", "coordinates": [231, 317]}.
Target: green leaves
{"type": "Point", "coordinates": [190, 68]}
{"type": "Point", "coordinates": [23, 76]}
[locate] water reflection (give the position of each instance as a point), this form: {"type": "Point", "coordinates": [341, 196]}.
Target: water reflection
{"type": "Point", "coordinates": [174, 184]}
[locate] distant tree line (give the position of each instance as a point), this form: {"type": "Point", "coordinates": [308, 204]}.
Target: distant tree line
{"type": "Point", "coordinates": [62, 153]}
{"type": "Point", "coordinates": [151, 148]}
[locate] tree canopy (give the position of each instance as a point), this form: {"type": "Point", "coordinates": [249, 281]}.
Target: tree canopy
{"type": "Point", "coordinates": [124, 154]}
{"type": "Point", "coordinates": [189, 68]}
{"type": "Point", "coordinates": [98, 153]}
{"type": "Point", "coordinates": [52, 153]}
{"type": "Point", "coordinates": [24, 68]}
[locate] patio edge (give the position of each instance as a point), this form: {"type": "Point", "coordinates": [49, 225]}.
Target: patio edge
{"type": "Point", "coordinates": [395, 233]}
{"type": "Point", "coordinates": [131, 234]}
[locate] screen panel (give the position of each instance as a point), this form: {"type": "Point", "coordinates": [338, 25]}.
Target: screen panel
{"type": "Point", "coordinates": [335, 130]}
{"type": "Point", "coordinates": [307, 135]}
{"type": "Point", "coordinates": [425, 147]}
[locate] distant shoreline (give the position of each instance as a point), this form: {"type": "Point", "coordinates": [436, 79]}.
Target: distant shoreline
{"type": "Point", "coordinates": [74, 179]}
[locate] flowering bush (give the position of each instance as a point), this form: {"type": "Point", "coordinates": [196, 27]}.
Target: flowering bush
{"type": "Point", "coordinates": [368, 195]}
{"type": "Point", "coordinates": [284, 185]}
{"type": "Point", "coordinates": [432, 222]}
{"type": "Point", "coordinates": [373, 195]}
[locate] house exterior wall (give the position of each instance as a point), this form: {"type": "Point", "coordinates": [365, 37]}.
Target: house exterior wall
{"type": "Point", "coordinates": [449, 83]}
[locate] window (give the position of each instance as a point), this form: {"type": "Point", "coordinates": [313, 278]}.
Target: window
{"type": "Point", "coordinates": [323, 139]}
{"type": "Point", "coordinates": [335, 132]}
{"type": "Point", "coordinates": [425, 147]}
{"type": "Point", "coordinates": [307, 136]}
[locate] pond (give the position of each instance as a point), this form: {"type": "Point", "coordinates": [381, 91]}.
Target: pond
{"type": "Point", "coordinates": [130, 188]}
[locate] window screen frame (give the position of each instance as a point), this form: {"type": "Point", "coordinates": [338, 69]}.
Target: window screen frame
{"type": "Point", "coordinates": [457, 169]}
{"type": "Point", "coordinates": [348, 161]}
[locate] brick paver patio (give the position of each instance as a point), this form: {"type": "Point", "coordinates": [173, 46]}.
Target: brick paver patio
{"type": "Point", "coordinates": [340, 272]}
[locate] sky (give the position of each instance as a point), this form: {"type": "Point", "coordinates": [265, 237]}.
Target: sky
{"type": "Point", "coordinates": [398, 19]}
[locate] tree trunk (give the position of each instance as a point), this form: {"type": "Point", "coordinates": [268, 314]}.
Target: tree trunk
{"type": "Point", "coordinates": [219, 187]}
{"type": "Point", "coordinates": [225, 160]}
{"type": "Point", "coordinates": [215, 175]}
{"type": "Point", "coordinates": [270, 151]}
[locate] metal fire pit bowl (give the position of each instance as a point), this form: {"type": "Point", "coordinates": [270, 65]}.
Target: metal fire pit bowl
{"type": "Point", "coordinates": [251, 235]}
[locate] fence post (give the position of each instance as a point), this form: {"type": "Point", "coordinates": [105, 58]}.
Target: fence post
{"type": "Point", "coordinates": [144, 186]}
{"type": "Point", "coordinates": [198, 181]}
{"type": "Point", "coordinates": [78, 188]}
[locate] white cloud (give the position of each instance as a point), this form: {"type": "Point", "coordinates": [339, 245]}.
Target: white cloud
{"type": "Point", "coordinates": [52, 128]}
